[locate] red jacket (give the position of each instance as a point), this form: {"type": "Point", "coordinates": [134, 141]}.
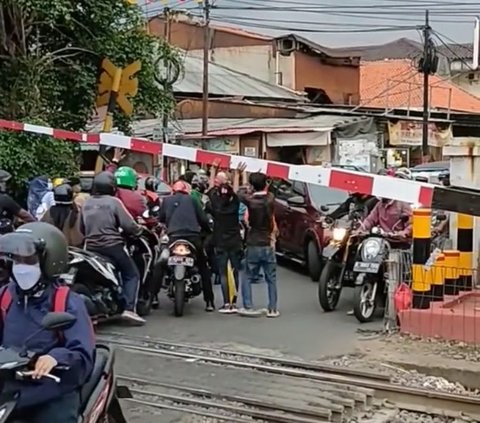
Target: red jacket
{"type": "Point", "coordinates": [133, 201]}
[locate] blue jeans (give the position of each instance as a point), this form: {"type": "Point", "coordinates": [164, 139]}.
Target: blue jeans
{"type": "Point", "coordinates": [258, 258]}
{"type": "Point", "coordinates": [235, 257]}
{"type": "Point", "coordinates": [64, 409]}
{"type": "Point", "coordinates": [128, 272]}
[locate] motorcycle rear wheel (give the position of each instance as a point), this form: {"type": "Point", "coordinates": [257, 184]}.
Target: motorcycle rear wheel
{"type": "Point", "coordinates": [328, 296]}
{"type": "Point", "coordinates": [179, 297]}
{"type": "Point", "coordinates": [363, 307]}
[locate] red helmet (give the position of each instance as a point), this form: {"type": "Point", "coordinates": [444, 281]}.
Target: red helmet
{"type": "Point", "coordinates": [181, 186]}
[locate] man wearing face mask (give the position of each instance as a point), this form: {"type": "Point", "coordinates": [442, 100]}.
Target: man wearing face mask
{"type": "Point", "coordinates": [9, 208]}
{"type": "Point", "coordinates": [38, 253]}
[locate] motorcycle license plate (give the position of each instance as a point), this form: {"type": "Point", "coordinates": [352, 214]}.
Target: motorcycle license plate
{"type": "Point", "coordinates": [362, 267]}
{"type": "Point", "coordinates": [185, 261]}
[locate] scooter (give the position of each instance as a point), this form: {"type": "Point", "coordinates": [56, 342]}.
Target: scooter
{"type": "Point", "coordinates": [99, 395]}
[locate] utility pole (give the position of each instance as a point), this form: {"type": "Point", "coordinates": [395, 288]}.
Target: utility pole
{"type": "Point", "coordinates": [166, 63]}
{"type": "Point", "coordinates": [206, 50]}
{"type": "Point", "coordinates": [427, 69]}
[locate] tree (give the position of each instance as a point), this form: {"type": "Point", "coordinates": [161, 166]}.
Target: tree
{"type": "Point", "coordinates": [50, 51]}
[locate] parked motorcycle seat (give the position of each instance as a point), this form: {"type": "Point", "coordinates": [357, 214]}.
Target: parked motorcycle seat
{"type": "Point", "coordinates": [101, 358]}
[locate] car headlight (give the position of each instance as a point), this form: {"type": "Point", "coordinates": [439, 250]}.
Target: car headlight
{"type": "Point", "coordinates": [370, 249]}
{"type": "Point", "coordinates": [339, 234]}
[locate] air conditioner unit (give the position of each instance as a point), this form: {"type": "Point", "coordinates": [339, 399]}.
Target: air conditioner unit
{"type": "Point", "coordinates": [286, 46]}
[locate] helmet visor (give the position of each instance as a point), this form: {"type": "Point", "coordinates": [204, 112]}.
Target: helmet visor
{"type": "Point", "coordinates": [19, 248]}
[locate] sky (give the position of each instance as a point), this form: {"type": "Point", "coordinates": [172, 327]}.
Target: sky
{"type": "Point", "coordinates": [339, 23]}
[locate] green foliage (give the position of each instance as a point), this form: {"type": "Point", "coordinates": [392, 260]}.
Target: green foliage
{"type": "Point", "coordinates": [50, 51]}
{"type": "Point", "coordinates": [25, 156]}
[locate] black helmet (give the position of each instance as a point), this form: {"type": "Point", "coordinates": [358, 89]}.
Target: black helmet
{"type": "Point", "coordinates": [199, 184]}
{"type": "Point", "coordinates": [104, 184]}
{"type": "Point", "coordinates": [63, 194]}
{"type": "Point", "coordinates": [152, 183]}
{"type": "Point", "coordinates": [35, 249]}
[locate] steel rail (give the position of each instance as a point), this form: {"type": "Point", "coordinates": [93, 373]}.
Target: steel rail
{"type": "Point", "coordinates": [408, 398]}
{"type": "Point", "coordinates": [317, 412]}
{"type": "Point", "coordinates": [269, 416]}
{"type": "Point", "coordinates": [299, 364]}
{"type": "Point", "coordinates": [202, 413]}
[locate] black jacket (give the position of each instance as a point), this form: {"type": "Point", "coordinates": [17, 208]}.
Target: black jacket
{"type": "Point", "coordinates": [361, 204]}
{"type": "Point", "coordinates": [183, 216]}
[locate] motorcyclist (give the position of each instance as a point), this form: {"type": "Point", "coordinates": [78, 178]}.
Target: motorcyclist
{"type": "Point", "coordinates": [9, 208]}
{"type": "Point", "coordinates": [126, 179]}
{"type": "Point", "coordinates": [388, 214]}
{"type": "Point", "coordinates": [38, 253]}
{"type": "Point", "coordinates": [103, 215]}
{"type": "Point", "coordinates": [185, 219]}
{"type": "Point", "coordinates": [150, 192]}
{"type": "Point", "coordinates": [356, 202]}
{"type": "Point", "coordinates": [199, 187]}
{"type": "Point", "coordinates": [65, 215]}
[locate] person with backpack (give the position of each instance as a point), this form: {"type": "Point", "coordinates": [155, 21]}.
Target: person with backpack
{"type": "Point", "coordinates": [38, 253]}
{"type": "Point", "coordinates": [9, 208]}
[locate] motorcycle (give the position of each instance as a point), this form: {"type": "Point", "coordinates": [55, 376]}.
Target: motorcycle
{"type": "Point", "coordinates": [96, 279]}
{"type": "Point", "coordinates": [370, 266]}
{"type": "Point", "coordinates": [339, 256]}
{"type": "Point", "coordinates": [99, 395]}
{"type": "Point", "coordinates": [181, 275]}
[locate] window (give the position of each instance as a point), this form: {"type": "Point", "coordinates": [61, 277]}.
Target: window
{"type": "Point", "coordinates": [324, 196]}
{"type": "Point", "coordinates": [284, 190]}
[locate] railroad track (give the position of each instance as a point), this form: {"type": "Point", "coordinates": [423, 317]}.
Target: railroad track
{"type": "Point", "coordinates": [339, 392]}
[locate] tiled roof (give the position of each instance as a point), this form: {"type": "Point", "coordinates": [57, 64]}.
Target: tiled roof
{"type": "Point", "coordinates": [396, 84]}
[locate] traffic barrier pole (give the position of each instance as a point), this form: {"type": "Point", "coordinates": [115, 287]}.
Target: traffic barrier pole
{"type": "Point", "coordinates": [451, 271]}
{"type": "Point", "coordinates": [438, 278]}
{"type": "Point", "coordinates": [421, 277]}
{"type": "Point", "coordinates": [465, 246]}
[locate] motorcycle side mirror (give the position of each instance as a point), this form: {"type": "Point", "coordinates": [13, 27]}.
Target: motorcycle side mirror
{"type": "Point", "coordinates": [441, 217]}
{"type": "Point", "coordinates": [146, 214]}
{"type": "Point", "coordinates": [324, 208]}
{"type": "Point", "coordinates": [58, 320]}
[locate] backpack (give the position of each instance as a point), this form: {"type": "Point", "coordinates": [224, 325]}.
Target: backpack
{"type": "Point", "coordinates": [60, 297]}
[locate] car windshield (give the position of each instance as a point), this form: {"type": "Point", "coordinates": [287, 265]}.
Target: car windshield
{"type": "Point", "coordinates": [324, 196]}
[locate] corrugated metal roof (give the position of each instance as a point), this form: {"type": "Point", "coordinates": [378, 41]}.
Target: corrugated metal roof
{"type": "Point", "coordinates": [146, 128]}
{"type": "Point", "coordinates": [227, 82]}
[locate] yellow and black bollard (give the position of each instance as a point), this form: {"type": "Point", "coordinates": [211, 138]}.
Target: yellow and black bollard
{"type": "Point", "coordinates": [421, 277]}
{"type": "Point", "coordinates": [465, 246]}
{"type": "Point", "coordinates": [451, 271]}
{"type": "Point", "coordinates": [438, 278]}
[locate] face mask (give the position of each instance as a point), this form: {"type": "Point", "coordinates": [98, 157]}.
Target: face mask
{"type": "Point", "coordinates": [26, 275]}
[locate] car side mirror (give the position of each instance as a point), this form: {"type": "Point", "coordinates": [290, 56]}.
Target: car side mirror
{"type": "Point", "coordinates": [296, 201]}
{"type": "Point", "coordinates": [58, 320]}
{"type": "Point", "coordinates": [324, 208]}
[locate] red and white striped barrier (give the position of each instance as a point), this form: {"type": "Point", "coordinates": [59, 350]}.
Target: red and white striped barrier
{"type": "Point", "coordinates": [381, 186]}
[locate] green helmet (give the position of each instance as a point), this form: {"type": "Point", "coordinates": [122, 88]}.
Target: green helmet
{"type": "Point", "coordinates": [126, 177]}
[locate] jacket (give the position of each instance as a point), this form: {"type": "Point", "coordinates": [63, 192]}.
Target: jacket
{"type": "Point", "coordinates": [386, 215]}
{"type": "Point", "coordinates": [226, 225]}
{"type": "Point", "coordinates": [102, 218]}
{"type": "Point", "coordinates": [73, 234]}
{"type": "Point", "coordinates": [76, 352]}
{"type": "Point", "coordinates": [363, 205]}
{"type": "Point", "coordinates": [183, 216]}
{"type": "Point", "coordinates": [134, 201]}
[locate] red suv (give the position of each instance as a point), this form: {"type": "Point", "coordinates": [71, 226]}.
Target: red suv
{"type": "Point", "coordinates": [298, 211]}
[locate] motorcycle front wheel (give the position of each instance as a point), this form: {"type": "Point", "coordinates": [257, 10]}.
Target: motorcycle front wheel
{"type": "Point", "coordinates": [364, 304]}
{"type": "Point", "coordinates": [329, 287]}
{"type": "Point", "coordinates": [179, 297]}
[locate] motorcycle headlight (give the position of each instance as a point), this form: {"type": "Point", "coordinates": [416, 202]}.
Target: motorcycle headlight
{"type": "Point", "coordinates": [370, 249]}
{"type": "Point", "coordinates": [339, 234]}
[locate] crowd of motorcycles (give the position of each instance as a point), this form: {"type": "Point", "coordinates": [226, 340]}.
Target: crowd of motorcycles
{"type": "Point", "coordinates": [162, 265]}
{"type": "Point", "coordinates": [359, 260]}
